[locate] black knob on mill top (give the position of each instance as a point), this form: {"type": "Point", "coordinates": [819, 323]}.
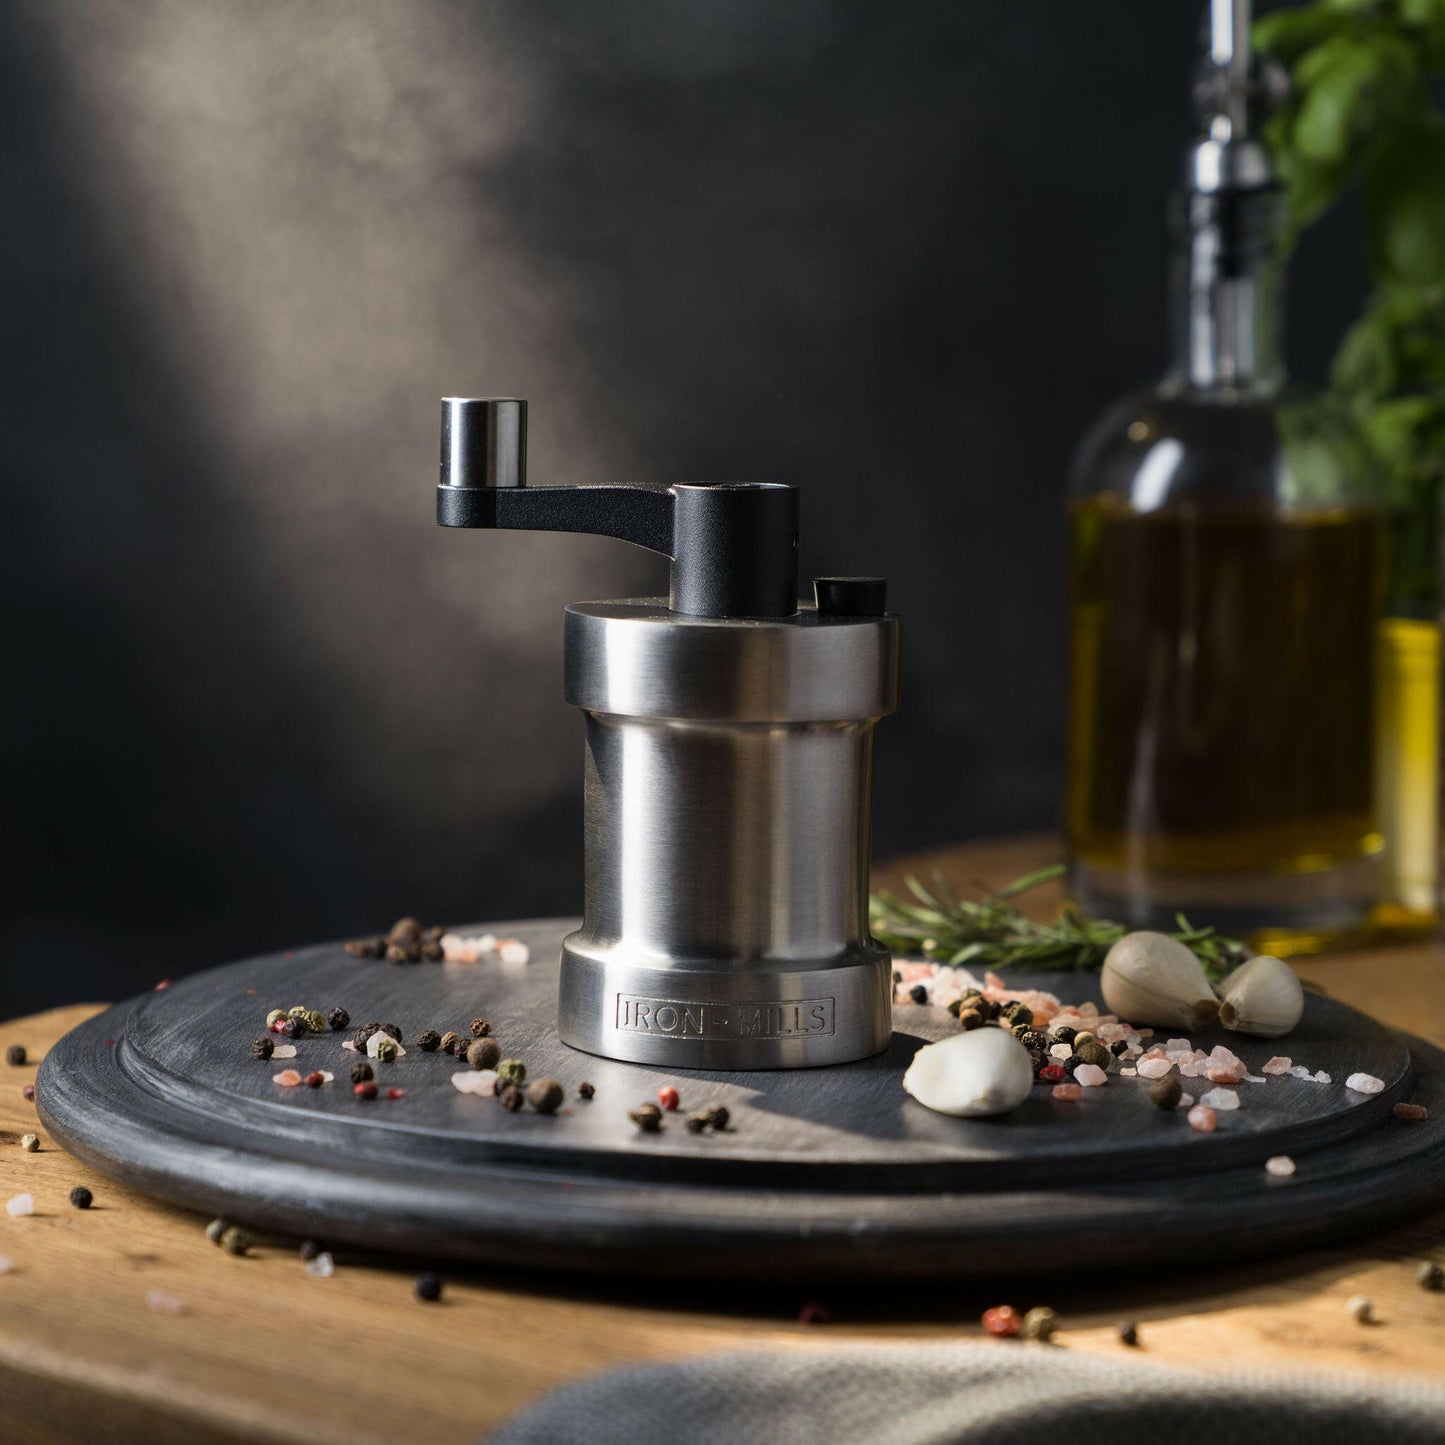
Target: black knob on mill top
{"type": "Point", "coordinates": [851, 596]}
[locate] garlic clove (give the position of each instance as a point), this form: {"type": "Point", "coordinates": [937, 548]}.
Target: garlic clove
{"type": "Point", "coordinates": [1150, 978]}
{"type": "Point", "coordinates": [1262, 997]}
{"type": "Point", "coordinates": [983, 1071]}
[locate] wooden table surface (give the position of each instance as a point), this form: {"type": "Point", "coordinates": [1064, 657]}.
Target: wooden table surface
{"type": "Point", "coordinates": [263, 1352]}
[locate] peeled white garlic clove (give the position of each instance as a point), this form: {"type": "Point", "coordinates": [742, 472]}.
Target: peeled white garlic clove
{"type": "Point", "coordinates": [1262, 997]}
{"type": "Point", "coordinates": [1150, 978]}
{"type": "Point", "coordinates": [983, 1071]}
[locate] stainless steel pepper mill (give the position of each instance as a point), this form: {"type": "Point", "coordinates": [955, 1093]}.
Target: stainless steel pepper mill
{"type": "Point", "coordinates": [729, 769]}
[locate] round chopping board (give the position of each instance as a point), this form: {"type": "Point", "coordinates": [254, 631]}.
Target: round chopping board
{"type": "Point", "coordinates": [830, 1171]}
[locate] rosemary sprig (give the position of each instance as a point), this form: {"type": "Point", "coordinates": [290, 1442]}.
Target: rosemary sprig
{"type": "Point", "coordinates": [991, 933]}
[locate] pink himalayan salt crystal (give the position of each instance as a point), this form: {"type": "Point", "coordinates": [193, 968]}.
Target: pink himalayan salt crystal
{"type": "Point", "coordinates": [513, 951]}
{"type": "Point", "coordinates": [1185, 1101]}
{"type": "Point", "coordinates": [1155, 1053]}
{"type": "Point", "coordinates": [1322, 1077]}
{"type": "Point", "coordinates": [1067, 1092]}
{"type": "Point", "coordinates": [1201, 1117]}
{"type": "Point", "coordinates": [1279, 1064]}
{"type": "Point", "coordinates": [475, 1081]}
{"type": "Point", "coordinates": [163, 1302]}
{"type": "Point", "coordinates": [1179, 1046]}
{"type": "Point", "coordinates": [1128, 1073]}
{"type": "Point", "coordinates": [1299, 1071]}
{"type": "Point", "coordinates": [1410, 1111]}
{"type": "Point", "coordinates": [1090, 1076]}
{"type": "Point", "coordinates": [1190, 1068]}
{"type": "Point", "coordinates": [287, 1078]}
{"type": "Point", "coordinates": [1364, 1083]}
{"type": "Point", "coordinates": [284, 1051]}
{"type": "Point", "coordinates": [1280, 1165]}
{"type": "Point", "coordinates": [1226, 1058]}
{"type": "Point", "coordinates": [1152, 1068]}
{"type": "Point", "coordinates": [1222, 1099]}
{"type": "Point", "coordinates": [1220, 1074]}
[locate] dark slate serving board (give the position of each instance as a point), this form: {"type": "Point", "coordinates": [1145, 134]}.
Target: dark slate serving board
{"type": "Point", "coordinates": [826, 1171]}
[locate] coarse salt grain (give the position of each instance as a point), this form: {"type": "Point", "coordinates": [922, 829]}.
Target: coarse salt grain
{"type": "Point", "coordinates": [1185, 1101]}
{"type": "Point", "coordinates": [163, 1302]}
{"type": "Point", "coordinates": [1299, 1071]}
{"type": "Point", "coordinates": [1066, 1092]}
{"type": "Point", "coordinates": [1061, 1051]}
{"type": "Point", "coordinates": [1410, 1111]}
{"type": "Point", "coordinates": [1221, 1074]}
{"type": "Point", "coordinates": [322, 1267]}
{"type": "Point", "coordinates": [287, 1078]}
{"type": "Point", "coordinates": [1364, 1083]}
{"type": "Point", "coordinates": [1153, 1068]}
{"type": "Point", "coordinates": [1280, 1165]}
{"type": "Point", "coordinates": [1090, 1076]}
{"type": "Point", "coordinates": [20, 1206]}
{"type": "Point", "coordinates": [284, 1051]}
{"type": "Point", "coordinates": [1224, 1099]}
{"type": "Point", "coordinates": [475, 1081]}
{"type": "Point", "coordinates": [513, 951]}
{"type": "Point", "coordinates": [1254, 1078]}
{"type": "Point", "coordinates": [1279, 1064]}
{"type": "Point", "coordinates": [1201, 1117]}
{"type": "Point", "coordinates": [326, 1075]}
{"type": "Point", "coordinates": [1128, 1073]}
{"type": "Point", "coordinates": [1322, 1077]}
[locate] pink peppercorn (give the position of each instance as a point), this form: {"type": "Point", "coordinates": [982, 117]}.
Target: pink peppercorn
{"type": "Point", "coordinates": [668, 1097]}
{"type": "Point", "coordinates": [1067, 1091]}
{"type": "Point", "coordinates": [315, 1079]}
{"type": "Point", "coordinates": [28, 1092]}
{"type": "Point", "coordinates": [396, 1093]}
{"type": "Point", "coordinates": [1203, 1118]}
{"type": "Point", "coordinates": [1410, 1111]}
{"type": "Point", "coordinates": [1002, 1320]}
{"type": "Point", "coordinates": [366, 1089]}
{"type": "Point", "coordinates": [1053, 1073]}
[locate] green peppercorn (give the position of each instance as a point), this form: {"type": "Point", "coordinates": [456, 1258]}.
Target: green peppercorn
{"type": "Point", "coordinates": [235, 1240]}
{"type": "Point", "coordinates": [1091, 1051]}
{"type": "Point", "coordinates": [428, 1040]}
{"type": "Point", "coordinates": [449, 1042]}
{"type": "Point", "coordinates": [485, 1054]}
{"type": "Point", "coordinates": [1167, 1091]}
{"type": "Point", "coordinates": [647, 1117]}
{"type": "Point", "coordinates": [316, 1021]}
{"type": "Point", "coordinates": [385, 1052]}
{"type": "Point", "coordinates": [215, 1229]}
{"type": "Point", "coordinates": [1430, 1276]}
{"type": "Point", "coordinates": [512, 1071]}
{"type": "Point", "coordinates": [361, 1072]}
{"type": "Point", "coordinates": [1019, 1030]}
{"type": "Point", "coordinates": [956, 1007]}
{"type": "Point", "coordinates": [970, 1018]}
{"type": "Point", "coordinates": [263, 1047]}
{"type": "Point", "coordinates": [544, 1095]}
{"type": "Point", "coordinates": [275, 1016]}
{"type": "Point", "coordinates": [1040, 1323]}
{"type": "Point", "coordinates": [299, 1012]}
{"type": "Point", "coordinates": [1084, 1037]}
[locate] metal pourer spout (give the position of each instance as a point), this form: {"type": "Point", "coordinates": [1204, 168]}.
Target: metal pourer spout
{"type": "Point", "coordinates": [733, 545]}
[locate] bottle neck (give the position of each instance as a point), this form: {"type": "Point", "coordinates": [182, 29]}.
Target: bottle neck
{"type": "Point", "coordinates": [1227, 293]}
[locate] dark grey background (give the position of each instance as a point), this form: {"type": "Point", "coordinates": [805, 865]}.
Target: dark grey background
{"type": "Point", "coordinates": [897, 254]}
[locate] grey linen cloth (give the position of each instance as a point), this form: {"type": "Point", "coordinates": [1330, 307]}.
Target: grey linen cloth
{"type": "Point", "coordinates": [936, 1394]}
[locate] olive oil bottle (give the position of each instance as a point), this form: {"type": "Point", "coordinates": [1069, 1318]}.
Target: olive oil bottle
{"type": "Point", "coordinates": [1252, 739]}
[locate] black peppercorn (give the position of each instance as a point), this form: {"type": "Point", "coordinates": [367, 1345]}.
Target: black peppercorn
{"type": "Point", "coordinates": [647, 1117]}
{"type": "Point", "coordinates": [1167, 1091]}
{"type": "Point", "coordinates": [391, 1031]}
{"type": "Point", "coordinates": [263, 1048]}
{"type": "Point", "coordinates": [361, 1072]}
{"type": "Point", "coordinates": [484, 1054]}
{"type": "Point", "coordinates": [956, 1007]}
{"type": "Point", "coordinates": [544, 1095]}
{"type": "Point", "coordinates": [511, 1098]}
{"type": "Point", "coordinates": [338, 1018]}
{"type": "Point", "coordinates": [1071, 1063]}
{"type": "Point", "coordinates": [428, 1287]}
{"type": "Point", "coordinates": [292, 1028]}
{"type": "Point", "coordinates": [1064, 1034]}
{"type": "Point", "coordinates": [428, 1041]}
{"type": "Point", "coordinates": [15, 1055]}
{"type": "Point", "coordinates": [970, 1018]}
{"type": "Point", "coordinates": [367, 947]}
{"type": "Point", "coordinates": [480, 1028]}
{"type": "Point", "coordinates": [585, 1090]}
{"type": "Point", "coordinates": [310, 1248]}
{"type": "Point", "coordinates": [432, 951]}
{"type": "Point", "coordinates": [1034, 1039]}
{"type": "Point", "coordinates": [432, 934]}
{"type": "Point", "coordinates": [1119, 1047]}
{"type": "Point", "coordinates": [81, 1197]}
{"type": "Point", "coordinates": [1129, 1333]}
{"type": "Point", "coordinates": [696, 1123]}
{"type": "Point", "coordinates": [717, 1116]}
{"type": "Point", "coordinates": [918, 993]}
{"type": "Point", "coordinates": [449, 1043]}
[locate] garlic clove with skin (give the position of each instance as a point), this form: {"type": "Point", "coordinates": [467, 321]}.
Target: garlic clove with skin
{"type": "Point", "coordinates": [1262, 997]}
{"type": "Point", "coordinates": [1150, 978]}
{"type": "Point", "coordinates": [983, 1071]}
